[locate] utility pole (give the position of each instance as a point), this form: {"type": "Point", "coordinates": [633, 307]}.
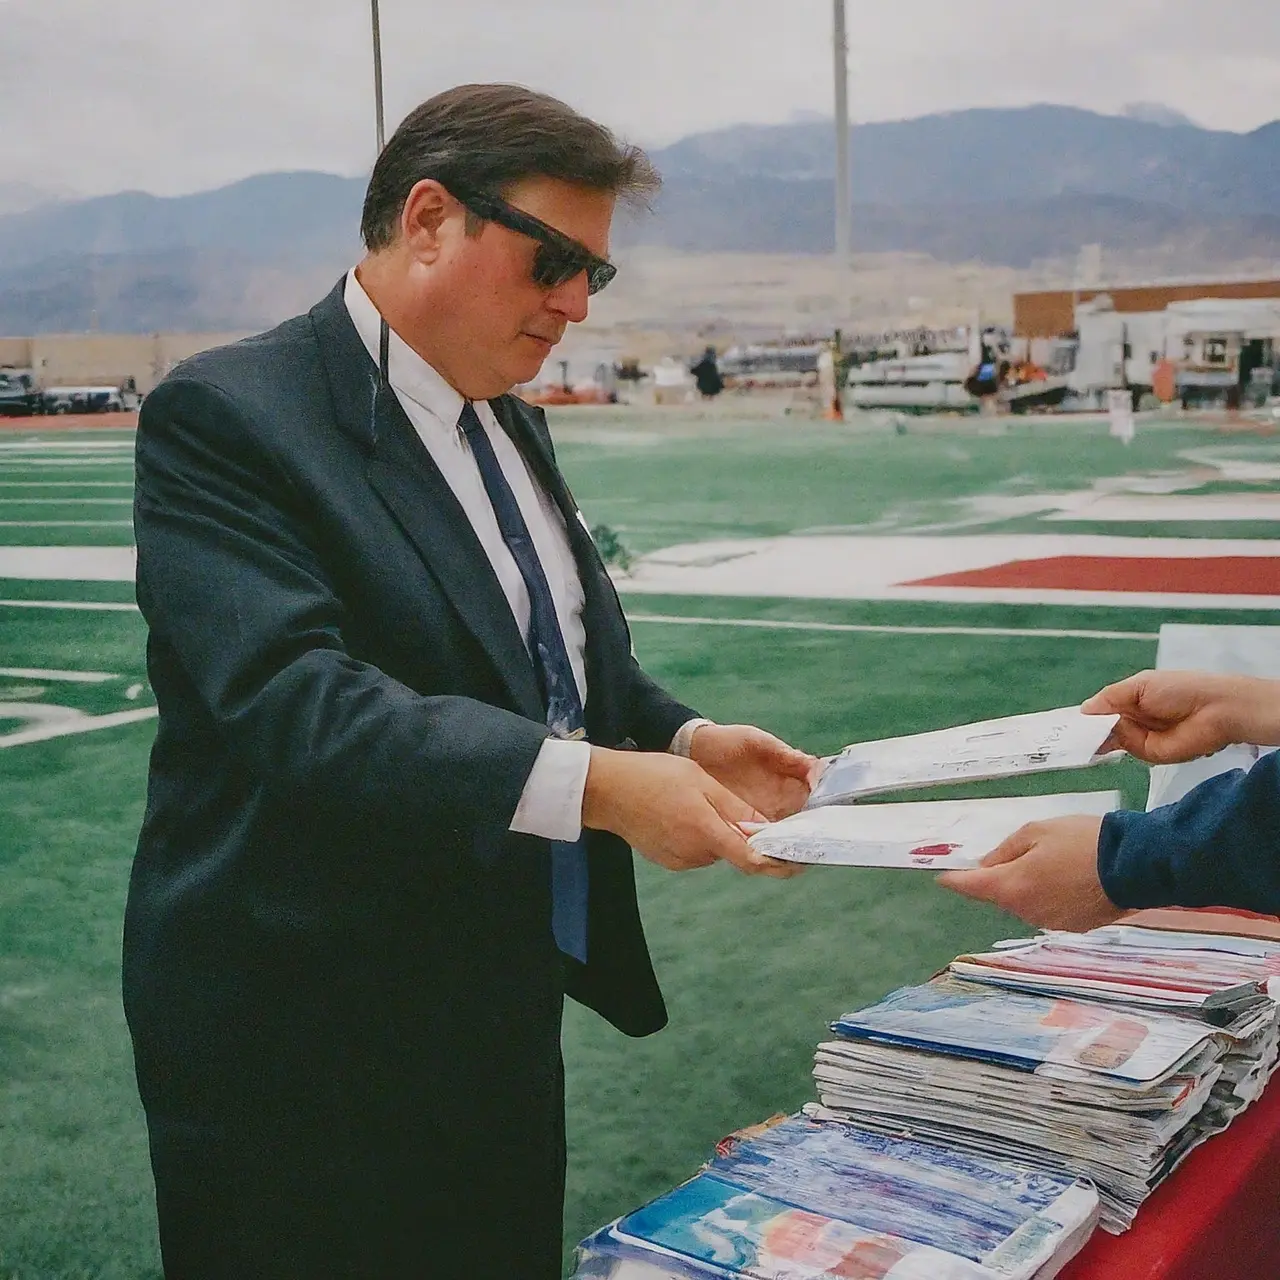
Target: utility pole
{"type": "Point", "coordinates": [844, 203]}
{"type": "Point", "coordinates": [377, 77]}
{"type": "Point", "coordinates": [844, 192]}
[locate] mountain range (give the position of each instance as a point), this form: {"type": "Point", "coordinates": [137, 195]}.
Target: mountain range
{"type": "Point", "coordinates": [1005, 187]}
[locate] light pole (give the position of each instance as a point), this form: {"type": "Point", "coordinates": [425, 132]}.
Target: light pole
{"type": "Point", "coordinates": [844, 192]}
{"type": "Point", "coordinates": [377, 76]}
{"type": "Point", "coordinates": [844, 201]}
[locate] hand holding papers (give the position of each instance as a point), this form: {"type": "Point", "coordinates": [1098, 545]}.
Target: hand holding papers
{"type": "Point", "coordinates": [1044, 740]}
{"type": "Point", "coordinates": [934, 835]}
{"type": "Point", "coordinates": [945, 834]}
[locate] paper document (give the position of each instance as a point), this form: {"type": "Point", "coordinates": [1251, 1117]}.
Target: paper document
{"type": "Point", "coordinates": [1068, 1039]}
{"type": "Point", "coordinates": [814, 1200]}
{"type": "Point", "coordinates": [1128, 970]}
{"type": "Point", "coordinates": [937, 835]}
{"type": "Point", "coordinates": [1061, 739]}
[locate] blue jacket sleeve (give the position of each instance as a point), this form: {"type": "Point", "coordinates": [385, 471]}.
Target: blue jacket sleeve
{"type": "Point", "coordinates": [1219, 846]}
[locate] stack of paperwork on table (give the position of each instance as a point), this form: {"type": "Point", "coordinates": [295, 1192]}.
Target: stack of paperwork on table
{"type": "Point", "coordinates": [835, 830]}
{"type": "Point", "coordinates": [807, 1199]}
{"type": "Point", "coordinates": [1109, 1055]}
{"type": "Point", "coordinates": [969, 1130]}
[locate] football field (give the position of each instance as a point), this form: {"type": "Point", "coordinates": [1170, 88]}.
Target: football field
{"type": "Point", "coordinates": [829, 582]}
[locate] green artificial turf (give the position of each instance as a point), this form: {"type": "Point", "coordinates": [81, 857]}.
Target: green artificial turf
{"type": "Point", "coordinates": [752, 970]}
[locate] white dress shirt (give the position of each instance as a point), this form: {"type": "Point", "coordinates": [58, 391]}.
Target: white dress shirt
{"type": "Point", "coordinates": [551, 803]}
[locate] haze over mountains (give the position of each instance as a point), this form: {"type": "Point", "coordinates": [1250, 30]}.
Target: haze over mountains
{"type": "Point", "coordinates": [1003, 187]}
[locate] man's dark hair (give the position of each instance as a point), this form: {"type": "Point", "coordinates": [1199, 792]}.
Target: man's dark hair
{"type": "Point", "coordinates": [488, 137]}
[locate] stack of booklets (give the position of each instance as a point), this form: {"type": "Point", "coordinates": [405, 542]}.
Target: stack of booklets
{"type": "Point", "coordinates": [1108, 1055]}
{"type": "Point", "coordinates": [809, 1199]}
{"type": "Point", "coordinates": [1219, 981]}
{"type": "Point", "coordinates": [978, 1125]}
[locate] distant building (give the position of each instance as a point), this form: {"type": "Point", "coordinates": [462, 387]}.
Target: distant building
{"type": "Point", "coordinates": [1052, 313]}
{"type": "Point", "coordinates": [104, 359]}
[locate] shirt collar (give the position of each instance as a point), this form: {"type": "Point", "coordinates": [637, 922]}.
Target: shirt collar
{"type": "Point", "coordinates": [409, 373]}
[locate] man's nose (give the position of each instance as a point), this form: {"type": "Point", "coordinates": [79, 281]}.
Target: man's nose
{"type": "Point", "coordinates": [570, 299]}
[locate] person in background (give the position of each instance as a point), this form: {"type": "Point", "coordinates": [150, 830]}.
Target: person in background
{"type": "Point", "coordinates": [706, 373]}
{"type": "Point", "coordinates": [1218, 846]}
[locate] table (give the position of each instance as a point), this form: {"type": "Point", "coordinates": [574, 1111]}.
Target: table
{"type": "Point", "coordinates": [1216, 1218]}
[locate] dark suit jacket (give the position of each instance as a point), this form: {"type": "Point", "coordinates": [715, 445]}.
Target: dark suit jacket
{"type": "Point", "coordinates": [348, 716]}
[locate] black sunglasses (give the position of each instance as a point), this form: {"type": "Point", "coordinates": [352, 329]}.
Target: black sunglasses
{"type": "Point", "coordinates": [559, 257]}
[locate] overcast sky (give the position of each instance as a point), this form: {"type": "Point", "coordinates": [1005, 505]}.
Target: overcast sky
{"type": "Point", "coordinates": [179, 95]}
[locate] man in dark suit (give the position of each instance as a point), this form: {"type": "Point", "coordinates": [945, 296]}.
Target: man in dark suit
{"type": "Point", "coordinates": [403, 743]}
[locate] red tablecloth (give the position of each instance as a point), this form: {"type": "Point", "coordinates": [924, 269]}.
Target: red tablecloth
{"type": "Point", "coordinates": [1217, 1218]}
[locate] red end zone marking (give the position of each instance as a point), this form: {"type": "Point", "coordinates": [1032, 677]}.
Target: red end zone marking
{"type": "Point", "coordinates": [1211, 575]}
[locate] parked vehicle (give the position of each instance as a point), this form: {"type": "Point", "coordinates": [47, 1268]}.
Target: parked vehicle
{"type": "Point", "coordinates": [83, 400]}
{"type": "Point", "coordinates": [18, 397]}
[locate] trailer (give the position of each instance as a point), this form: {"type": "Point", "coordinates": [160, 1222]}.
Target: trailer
{"type": "Point", "coordinates": [1226, 353]}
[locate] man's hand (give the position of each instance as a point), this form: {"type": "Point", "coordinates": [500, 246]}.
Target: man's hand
{"type": "Point", "coordinates": [1170, 716]}
{"type": "Point", "coordinates": [757, 767]}
{"type": "Point", "coordinates": [1046, 873]}
{"type": "Point", "coordinates": [671, 811]}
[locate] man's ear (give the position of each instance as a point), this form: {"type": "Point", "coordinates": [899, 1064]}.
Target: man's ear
{"type": "Point", "coordinates": [426, 210]}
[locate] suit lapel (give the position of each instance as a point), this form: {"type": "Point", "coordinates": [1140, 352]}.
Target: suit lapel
{"type": "Point", "coordinates": [401, 471]}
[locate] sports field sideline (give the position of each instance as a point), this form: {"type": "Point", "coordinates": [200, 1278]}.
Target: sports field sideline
{"type": "Point", "coordinates": [829, 582]}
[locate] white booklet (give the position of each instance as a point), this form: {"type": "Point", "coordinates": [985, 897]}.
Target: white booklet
{"type": "Point", "coordinates": [1061, 739]}
{"type": "Point", "coordinates": [934, 835]}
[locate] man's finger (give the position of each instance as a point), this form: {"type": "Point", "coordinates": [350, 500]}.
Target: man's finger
{"type": "Point", "coordinates": [777, 870]}
{"type": "Point", "coordinates": [729, 844]}
{"type": "Point", "coordinates": [1012, 847]}
{"type": "Point", "coordinates": [1122, 698]}
{"type": "Point", "coordinates": [981, 884]}
{"type": "Point", "coordinates": [731, 807]}
{"type": "Point", "coordinates": [1129, 737]}
{"type": "Point", "coordinates": [785, 758]}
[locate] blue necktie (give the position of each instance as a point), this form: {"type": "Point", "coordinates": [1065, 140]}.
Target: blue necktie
{"type": "Point", "coordinates": [555, 679]}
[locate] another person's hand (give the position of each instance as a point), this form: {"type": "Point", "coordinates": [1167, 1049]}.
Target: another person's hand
{"type": "Point", "coordinates": [1046, 873]}
{"type": "Point", "coordinates": [671, 811]}
{"type": "Point", "coordinates": [757, 767]}
{"type": "Point", "coordinates": [1167, 717]}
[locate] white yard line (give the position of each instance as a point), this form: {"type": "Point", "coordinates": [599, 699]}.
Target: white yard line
{"type": "Point", "coordinates": [64, 484]}
{"type": "Point", "coordinates": [66, 524]}
{"type": "Point", "coordinates": [61, 501]}
{"type": "Point", "coordinates": [773, 624]}
{"type": "Point", "coordinates": [28, 463]}
{"type": "Point", "coordinates": [104, 606]}
{"type": "Point", "coordinates": [68, 564]}
{"type": "Point", "coordinates": [65, 727]}
{"type": "Point", "coordinates": [62, 446]}
{"type": "Point", "coordinates": [68, 677]}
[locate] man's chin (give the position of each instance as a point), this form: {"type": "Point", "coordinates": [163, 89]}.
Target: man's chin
{"type": "Point", "coordinates": [526, 370]}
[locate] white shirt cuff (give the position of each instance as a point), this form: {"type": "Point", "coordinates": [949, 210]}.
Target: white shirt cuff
{"type": "Point", "coordinates": [551, 802]}
{"type": "Point", "coordinates": [682, 743]}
